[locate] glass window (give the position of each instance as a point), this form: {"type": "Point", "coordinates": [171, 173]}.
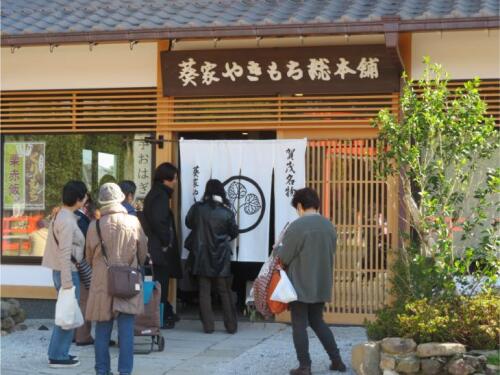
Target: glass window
{"type": "Point", "coordinates": [36, 167]}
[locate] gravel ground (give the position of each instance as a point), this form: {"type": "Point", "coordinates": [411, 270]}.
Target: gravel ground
{"type": "Point", "coordinates": [257, 348]}
{"type": "Point", "coordinates": [276, 354]}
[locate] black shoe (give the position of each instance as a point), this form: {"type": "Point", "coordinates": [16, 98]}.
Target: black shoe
{"type": "Point", "coordinates": [301, 371]}
{"type": "Point", "coordinates": [65, 363]}
{"type": "Point", "coordinates": [73, 357]}
{"type": "Point", "coordinates": [169, 324]}
{"type": "Point", "coordinates": [338, 366]}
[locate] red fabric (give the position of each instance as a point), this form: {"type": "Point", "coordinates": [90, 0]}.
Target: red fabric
{"type": "Point", "coordinates": [260, 288]}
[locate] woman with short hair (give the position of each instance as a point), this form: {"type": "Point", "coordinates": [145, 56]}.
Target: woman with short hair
{"type": "Point", "coordinates": [307, 253]}
{"type": "Point", "coordinates": [65, 241]}
{"type": "Point", "coordinates": [213, 227]}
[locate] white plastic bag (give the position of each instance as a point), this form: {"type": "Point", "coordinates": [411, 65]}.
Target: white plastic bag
{"type": "Point", "coordinates": [68, 313]}
{"type": "Point", "coordinates": [284, 292]}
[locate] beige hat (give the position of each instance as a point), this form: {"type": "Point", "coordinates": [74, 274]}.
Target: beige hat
{"type": "Point", "coordinates": [110, 193]}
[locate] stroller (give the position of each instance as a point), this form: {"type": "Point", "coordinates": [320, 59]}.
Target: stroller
{"type": "Point", "coordinates": [148, 323]}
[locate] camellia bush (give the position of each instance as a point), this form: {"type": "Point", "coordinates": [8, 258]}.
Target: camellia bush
{"type": "Point", "coordinates": [444, 149]}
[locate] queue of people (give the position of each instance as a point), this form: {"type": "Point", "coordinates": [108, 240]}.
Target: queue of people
{"type": "Point", "coordinates": [113, 235]}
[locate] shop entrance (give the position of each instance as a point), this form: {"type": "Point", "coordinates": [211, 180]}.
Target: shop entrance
{"type": "Point", "coordinates": [364, 208]}
{"type": "Point", "coordinates": [243, 272]}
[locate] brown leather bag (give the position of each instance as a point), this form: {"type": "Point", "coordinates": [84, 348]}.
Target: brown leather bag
{"type": "Point", "coordinates": [123, 281]}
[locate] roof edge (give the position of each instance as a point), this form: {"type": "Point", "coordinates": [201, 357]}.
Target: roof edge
{"type": "Point", "coordinates": [392, 24]}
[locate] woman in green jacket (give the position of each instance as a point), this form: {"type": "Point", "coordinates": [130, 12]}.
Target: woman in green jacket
{"type": "Point", "coordinates": [307, 254]}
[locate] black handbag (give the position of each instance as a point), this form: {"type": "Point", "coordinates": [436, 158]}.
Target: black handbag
{"type": "Point", "coordinates": [83, 268]}
{"type": "Point", "coordinates": [123, 281]}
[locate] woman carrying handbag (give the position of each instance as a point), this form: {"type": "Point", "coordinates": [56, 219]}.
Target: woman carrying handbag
{"type": "Point", "coordinates": [64, 243]}
{"type": "Point", "coordinates": [307, 253]}
{"type": "Point", "coordinates": [115, 242]}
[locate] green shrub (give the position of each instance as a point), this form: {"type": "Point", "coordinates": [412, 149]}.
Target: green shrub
{"type": "Point", "coordinates": [385, 325]}
{"type": "Point", "coordinates": [472, 321]}
{"type": "Point", "coordinates": [494, 360]}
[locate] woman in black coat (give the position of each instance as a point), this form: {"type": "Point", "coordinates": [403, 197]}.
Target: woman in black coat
{"type": "Point", "coordinates": [159, 225]}
{"type": "Point", "coordinates": [213, 228]}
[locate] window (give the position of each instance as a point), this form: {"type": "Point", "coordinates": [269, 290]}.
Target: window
{"type": "Point", "coordinates": [36, 167]}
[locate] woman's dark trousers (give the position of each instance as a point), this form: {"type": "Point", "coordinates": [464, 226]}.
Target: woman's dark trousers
{"type": "Point", "coordinates": [161, 275]}
{"type": "Point", "coordinates": [223, 285]}
{"type": "Point", "coordinates": [304, 314]}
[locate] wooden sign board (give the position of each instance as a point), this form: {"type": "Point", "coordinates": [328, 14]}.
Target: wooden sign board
{"type": "Point", "coordinates": [279, 71]}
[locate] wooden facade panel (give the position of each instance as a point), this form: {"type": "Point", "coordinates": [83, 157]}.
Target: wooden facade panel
{"type": "Point", "coordinates": [276, 112]}
{"type": "Point", "coordinates": [78, 111]}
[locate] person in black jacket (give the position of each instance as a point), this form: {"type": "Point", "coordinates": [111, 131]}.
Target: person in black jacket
{"type": "Point", "coordinates": [213, 228]}
{"type": "Point", "coordinates": [159, 226]}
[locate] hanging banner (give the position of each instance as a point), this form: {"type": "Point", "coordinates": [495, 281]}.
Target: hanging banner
{"type": "Point", "coordinates": [280, 71]}
{"type": "Point", "coordinates": [289, 176]}
{"type": "Point", "coordinates": [24, 175]}
{"type": "Point", "coordinates": [246, 169]}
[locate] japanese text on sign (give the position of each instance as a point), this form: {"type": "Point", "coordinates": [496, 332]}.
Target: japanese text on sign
{"type": "Point", "coordinates": [317, 69]}
{"type": "Point", "coordinates": [290, 172]}
{"type": "Point", "coordinates": [24, 175]}
{"type": "Point", "coordinates": [142, 165]}
{"type": "Point", "coordinates": [196, 181]}
{"type": "Point", "coordinates": [280, 71]}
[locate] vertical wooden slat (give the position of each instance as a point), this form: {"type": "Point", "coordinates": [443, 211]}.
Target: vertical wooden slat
{"type": "Point", "coordinates": [372, 221]}
{"type": "Point", "coordinates": [356, 224]}
{"type": "Point", "coordinates": [345, 290]}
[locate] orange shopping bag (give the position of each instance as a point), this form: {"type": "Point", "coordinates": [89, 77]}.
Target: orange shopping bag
{"type": "Point", "coordinates": [275, 306]}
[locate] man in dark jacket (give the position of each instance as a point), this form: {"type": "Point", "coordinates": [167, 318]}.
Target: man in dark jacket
{"type": "Point", "coordinates": [307, 254]}
{"type": "Point", "coordinates": [159, 226]}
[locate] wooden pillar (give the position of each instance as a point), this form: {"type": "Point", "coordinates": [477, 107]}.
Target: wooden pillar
{"type": "Point", "coordinates": [165, 153]}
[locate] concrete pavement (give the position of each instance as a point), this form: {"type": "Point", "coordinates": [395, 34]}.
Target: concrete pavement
{"type": "Point", "coordinates": [257, 348]}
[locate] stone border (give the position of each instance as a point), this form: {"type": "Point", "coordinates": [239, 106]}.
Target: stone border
{"type": "Point", "coordinates": [12, 316]}
{"type": "Point", "coordinates": [399, 356]}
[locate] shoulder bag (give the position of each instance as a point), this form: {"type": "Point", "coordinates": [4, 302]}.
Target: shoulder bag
{"type": "Point", "coordinates": [123, 281]}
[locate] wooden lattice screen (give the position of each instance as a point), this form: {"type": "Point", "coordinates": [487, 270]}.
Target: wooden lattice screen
{"type": "Point", "coordinates": [364, 209]}
{"type": "Point", "coordinates": [77, 111]}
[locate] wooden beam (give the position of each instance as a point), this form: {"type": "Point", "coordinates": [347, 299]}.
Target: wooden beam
{"type": "Point", "coordinates": [26, 291]}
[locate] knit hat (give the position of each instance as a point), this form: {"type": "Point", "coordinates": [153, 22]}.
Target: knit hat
{"type": "Point", "coordinates": [110, 193]}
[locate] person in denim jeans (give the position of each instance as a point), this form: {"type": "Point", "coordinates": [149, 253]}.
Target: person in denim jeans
{"type": "Point", "coordinates": [65, 244]}
{"type": "Point", "coordinates": [61, 339]}
{"type": "Point", "coordinates": [125, 244]}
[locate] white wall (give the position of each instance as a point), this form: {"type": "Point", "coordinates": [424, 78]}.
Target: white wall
{"type": "Point", "coordinates": [464, 54]}
{"type": "Point", "coordinates": [25, 275]}
{"type": "Point", "coordinates": [76, 67]}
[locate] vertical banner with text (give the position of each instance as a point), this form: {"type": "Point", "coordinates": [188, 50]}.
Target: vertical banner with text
{"type": "Point", "coordinates": [24, 175]}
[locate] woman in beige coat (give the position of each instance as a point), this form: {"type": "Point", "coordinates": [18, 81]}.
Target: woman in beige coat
{"type": "Point", "coordinates": [64, 246]}
{"type": "Point", "coordinates": [125, 244]}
